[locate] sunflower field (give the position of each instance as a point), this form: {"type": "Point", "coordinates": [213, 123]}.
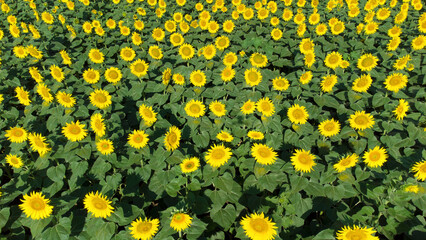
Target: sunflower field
{"type": "Point", "coordinates": [213, 119]}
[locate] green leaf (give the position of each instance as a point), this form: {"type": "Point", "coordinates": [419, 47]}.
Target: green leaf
{"type": "Point", "coordinates": [60, 231]}
{"type": "Point", "coordinates": [327, 234]}
{"type": "Point", "coordinates": [57, 173]}
{"type": "Point", "coordinates": [4, 216]}
{"type": "Point", "coordinates": [225, 217]}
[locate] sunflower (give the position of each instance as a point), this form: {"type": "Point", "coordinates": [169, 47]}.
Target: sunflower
{"type": "Point", "coordinates": [375, 157]}
{"type": "Point", "coordinates": [337, 28]}
{"type": "Point", "coordinates": [166, 76]}
{"type": "Point", "coordinates": [258, 227]}
{"type": "Point", "coordinates": [91, 76]}
{"type": "Point", "coordinates": [333, 60]}
{"type": "Point", "coordinates": [23, 96]}
{"type": "Point", "coordinates": [297, 114]}
{"type": "Point", "coordinates": [144, 229]}
{"type": "Point", "coordinates": [180, 221]}
{"type": "Point", "coordinates": [276, 34]}
{"type": "Point", "coordinates": [47, 17]}
{"type": "Point", "coordinates": [396, 81]}
{"type": "Point", "coordinates": [217, 108]}
{"type": "Point", "coordinates": [329, 128]}
{"type": "Point", "coordinates": [139, 68]}
{"type": "Point", "coordinates": [280, 84]}
{"type": "Point", "coordinates": [306, 46]}
{"type": "Point", "coordinates": [74, 131]}
{"type": "Point", "coordinates": [186, 51]}
{"type": "Point", "coordinates": [258, 60]}
{"type": "Point", "coordinates": [105, 146]}
{"type": "Point", "coordinates": [218, 155]}
{"type": "Point", "coordinates": [155, 52]}
{"type": "Point", "coordinates": [38, 144]}
{"type": "Point", "coordinates": [65, 57]}
{"type": "Point", "coordinates": [255, 135]}
{"type": "Point", "coordinates": [222, 42]}
{"type": "Point", "coordinates": [35, 74]}
{"type": "Point", "coordinates": [209, 51]}
{"type": "Point", "coordinates": [16, 135]}
{"type": "Point", "coordinates": [346, 162]}
{"type": "Point", "coordinates": [230, 59]}
{"type": "Point", "coordinates": [97, 124]}
{"type": "Point", "coordinates": [127, 54]}
{"type": "Point", "coordinates": [303, 160]}
{"type": "Point", "coordinates": [147, 114]}
{"type": "Point", "coordinates": [306, 77]}
{"type": "Point", "coordinates": [367, 62]}
{"type": "Point", "coordinates": [228, 26]}
{"type": "Point", "coordinates": [361, 120]}
{"type": "Point", "coordinates": [227, 74]}
{"type": "Point", "coordinates": [419, 42]}
{"type": "Point", "coordinates": [252, 76]}
{"type": "Point", "coordinates": [20, 51]}
{"type": "Point", "coordinates": [176, 39]}
{"type": "Point", "coordinates": [96, 56]}
{"type": "Point", "coordinates": [36, 206]}
{"type": "Point", "coordinates": [225, 136]}
{"type": "Point", "coordinates": [328, 83]}
{"type": "Point", "coordinates": [65, 99]}
{"type": "Point", "coordinates": [195, 108]}
{"type": "Point", "coordinates": [100, 98]}
{"type": "Point", "coordinates": [44, 92]}
{"type": "Point", "coordinates": [362, 84]}
{"type": "Point", "coordinates": [321, 29]}
{"type": "Point", "coordinates": [309, 59]}
{"type": "Point", "coordinates": [348, 233]}
{"type": "Point", "coordinates": [213, 27]}
{"type": "Point", "coordinates": [287, 14]}
{"type": "Point", "coordinates": [248, 107]}
{"type": "Point", "coordinates": [98, 205]}
{"type": "Point", "coordinates": [413, 188]}
{"type": "Point", "coordinates": [138, 139]}
{"type": "Point", "coordinates": [263, 154]}
{"type": "Point", "coordinates": [383, 13]}
{"type": "Point", "coordinates": [178, 79]}
{"type": "Point", "coordinates": [265, 106]}
{"type": "Point", "coordinates": [401, 110]}
{"type": "Point", "coordinates": [197, 78]}
{"type": "Point", "coordinates": [14, 161]}
{"type": "Point", "coordinates": [189, 165]}
{"type": "Point", "coordinates": [419, 168]}
{"type": "Point", "coordinates": [402, 62]}
{"type": "Point", "coordinates": [171, 141]}
{"type": "Point", "coordinates": [57, 73]}
{"type": "Point", "coordinates": [113, 75]}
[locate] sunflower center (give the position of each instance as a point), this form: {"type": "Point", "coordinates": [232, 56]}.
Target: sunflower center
{"type": "Point", "coordinates": [38, 142]}
{"type": "Point", "coordinates": [226, 73]}
{"type": "Point", "coordinates": [304, 158]}
{"type": "Point", "coordinates": [100, 97]}
{"type": "Point", "coordinates": [99, 204]}
{"type": "Point", "coordinates": [361, 120]}
{"type": "Point", "coordinates": [189, 165]}
{"type": "Point", "coordinates": [218, 108]}
{"type": "Point", "coordinates": [178, 218]}
{"type": "Point", "coordinates": [345, 162]}
{"type": "Point", "coordinates": [280, 83]}
{"type": "Point", "coordinates": [264, 152]}
{"type": "Point", "coordinates": [394, 81]}
{"type": "Point", "coordinates": [198, 78]}
{"type": "Point", "coordinates": [127, 53]}
{"type": "Point", "coordinates": [367, 62]}
{"type": "Point", "coordinates": [338, 27]}
{"type": "Point", "coordinates": [66, 99]}
{"type": "Point", "coordinates": [258, 59]}
{"type": "Point", "coordinates": [74, 129]}
{"type": "Point", "coordinates": [98, 124]}
{"type": "Point", "coordinates": [374, 156]}
{"type": "Point", "coordinates": [14, 160]}
{"type": "Point", "coordinates": [252, 77]}
{"type": "Point", "coordinates": [96, 55]}
{"type": "Point", "coordinates": [139, 67]}
{"type": "Point", "coordinates": [361, 82]}
{"type": "Point", "coordinates": [155, 52]}
{"type": "Point", "coordinates": [186, 51]}
{"type": "Point", "coordinates": [259, 225]}
{"type": "Point", "coordinates": [208, 51]}
{"type": "Point", "coordinates": [17, 132]}
{"type": "Point", "coordinates": [147, 113]}
{"type": "Point", "coordinates": [144, 227]}
{"type": "Point", "coordinates": [222, 42]}
{"type": "Point", "coordinates": [113, 74]}
{"type": "Point", "coordinates": [37, 204]}
{"type": "Point", "coordinates": [298, 114]}
{"type": "Point", "coordinates": [105, 145]}
{"type": "Point", "coordinates": [334, 59]}
{"type": "Point", "coordinates": [176, 39]}
{"type": "Point", "coordinates": [265, 106]}
{"type": "Point", "coordinates": [194, 108]}
{"type": "Point", "coordinates": [356, 236]}
{"type": "Point", "coordinates": [138, 138]}
{"type": "Point", "coordinates": [91, 75]}
{"type": "Point", "coordinates": [56, 72]}
{"type": "Point", "coordinates": [172, 137]}
{"type": "Point", "coordinates": [423, 168]}
{"type": "Point", "coordinates": [329, 127]}
{"type": "Point", "coordinates": [218, 154]}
